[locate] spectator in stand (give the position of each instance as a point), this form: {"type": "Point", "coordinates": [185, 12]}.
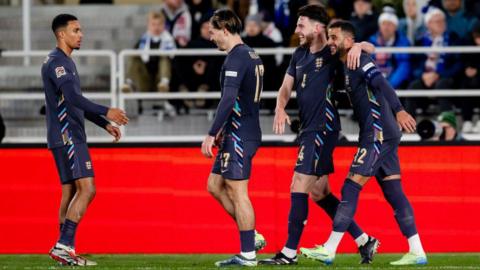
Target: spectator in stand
{"type": "Point", "coordinates": [413, 25]}
{"type": "Point", "coordinates": [272, 32]}
{"type": "Point", "coordinates": [151, 73]}
{"type": "Point", "coordinates": [179, 24]}
{"type": "Point", "coordinates": [448, 123]}
{"type": "Point", "coordinates": [395, 67]}
{"type": "Point", "coordinates": [202, 71]}
{"type": "Point", "coordinates": [198, 9]}
{"type": "Point", "coordinates": [435, 70]}
{"type": "Point", "coordinates": [178, 21]}
{"type": "Point", "coordinates": [457, 20]}
{"type": "Point", "coordinates": [471, 80]}
{"type": "Point", "coordinates": [365, 19]}
{"type": "Point", "coordinates": [256, 39]}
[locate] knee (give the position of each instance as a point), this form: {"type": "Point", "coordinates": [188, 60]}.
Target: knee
{"type": "Point", "coordinates": [91, 191]}
{"type": "Point", "coordinates": [318, 193]}
{"type": "Point", "coordinates": [87, 191]}
{"type": "Point", "coordinates": [214, 190]}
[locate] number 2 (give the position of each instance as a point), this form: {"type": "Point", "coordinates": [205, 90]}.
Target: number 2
{"type": "Point", "coordinates": [360, 155]}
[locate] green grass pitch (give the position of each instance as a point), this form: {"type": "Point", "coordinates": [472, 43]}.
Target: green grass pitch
{"type": "Point", "coordinates": [438, 261]}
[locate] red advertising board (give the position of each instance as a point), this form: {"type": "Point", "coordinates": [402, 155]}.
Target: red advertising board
{"type": "Point", "coordinates": [154, 200]}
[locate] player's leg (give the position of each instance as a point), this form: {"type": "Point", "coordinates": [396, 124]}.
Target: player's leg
{"type": "Point", "coordinates": [75, 168]}
{"type": "Point", "coordinates": [235, 168]}
{"type": "Point", "coordinates": [365, 163]}
{"type": "Point", "coordinates": [403, 211]}
{"type": "Point", "coordinates": [389, 179]}
{"type": "Point", "coordinates": [343, 218]}
{"type": "Point", "coordinates": [217, 188]}
{"type": "Point", "coordinates": [68, 191]}
{"type": "Point", "coordinates": [324, 198]}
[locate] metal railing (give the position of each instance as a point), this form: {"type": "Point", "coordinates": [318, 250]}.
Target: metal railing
{"type": "Point", "coordinates": [118, 98]}
{"type": "Point", "coordinates": [111, 95]}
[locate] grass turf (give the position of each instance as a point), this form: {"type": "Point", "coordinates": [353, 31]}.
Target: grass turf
{"type": "Point", "coordinates": [438, 261]}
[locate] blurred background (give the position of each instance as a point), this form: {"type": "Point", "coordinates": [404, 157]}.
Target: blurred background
{"type": "Point", "coordinates": [154, 59]}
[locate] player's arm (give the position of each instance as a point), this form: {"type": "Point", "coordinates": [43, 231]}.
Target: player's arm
{"type": "Point", "coordinates": [96, 119]}
{"type": "Point", "coordinates": [353, 56]}
{"type": "Point", "coordinates": [116, 115]}
{"type": "Point", "coordinates": [377, 81]}
{"type": "Point", "coordinates": [231, 85]}
{"type": "Point", "coordinates": [284, 94]}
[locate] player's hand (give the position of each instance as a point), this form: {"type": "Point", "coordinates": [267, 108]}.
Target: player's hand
{"type": "Point", "coordinates": [114, 131]}
{"type": "Point", "coordinates": [279, 121]}
{"type": "Point", "coordinates": [207, 146]}
{"type": "Point", "coordinates": [406, 121]}
{"type": "Point", "coordinates": [353, 56]}
{"type": "Point", "coordinates": [118, 116]}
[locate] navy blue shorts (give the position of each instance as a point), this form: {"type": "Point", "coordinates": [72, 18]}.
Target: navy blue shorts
{"type": "Point", "coordinates": [79, 165]}
{"type": "Point", "coordinates": [375, 159]}
{"type": "Point", "coordinates": [234, 158]}
{"type": "Point", "coordinates": [315, 152]}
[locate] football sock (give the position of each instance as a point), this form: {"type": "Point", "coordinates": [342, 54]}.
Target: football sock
{"type": "Point", "coordinates": [247, 243]}
{"type": "Point", "coordinates": [361, 240]}
{"type": "Point", "coordinates": [67, 236]}
{"type": "Point", "coordinates": [347, 207]}
{"type": "Point", "coordinates": [415, 245]}
{"type": "Point", "coordinates": [290, 253]}
{"type": "Point", "coordinates": [333, 241]}
{"type": "Point", "coordinates": [330, 203]}
{"type": "Point", "coordinates": [393, 193]}
{"type": "Point", "coordinates": [296, 218]}
{"type": "Point", "coordinates": [61, 226]}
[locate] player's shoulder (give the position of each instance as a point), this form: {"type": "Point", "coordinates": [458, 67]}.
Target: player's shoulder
{"type": "Point", "coordinates": [299, 51]}
{"type": "Point", "coordinates": [242, 54]}
{"type": "Point", "coordinates": [366, 62]}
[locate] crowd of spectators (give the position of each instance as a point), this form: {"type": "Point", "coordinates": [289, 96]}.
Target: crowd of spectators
{"type": "Point", "coordinates": [268, 24]}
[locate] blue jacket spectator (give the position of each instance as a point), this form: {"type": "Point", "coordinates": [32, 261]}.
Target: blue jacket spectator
{"type": "Point", "coordinates": [457, 20]}
{"type": "Point", "coordinates": [395, 67]}
{"type": "Point", "coordinates": [412, 26]}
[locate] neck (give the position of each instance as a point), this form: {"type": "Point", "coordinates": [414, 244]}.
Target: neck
{"type": "Point", "coordinates": [236, 39]}
{"type": "Point", "coordinates": [67, 50]}
{"type": "Point", "coordinates": [318, 44]}
{"type": "Point", "coordinates": [343, 55]}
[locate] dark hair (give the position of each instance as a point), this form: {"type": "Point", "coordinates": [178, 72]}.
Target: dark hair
{"type": "Point", "coordinates": [62, 20]}
{"type": "Point", "coordinates": [225, 18]}
{"type": "Point", "coordinates": [314, 12]}
{"type": "Point", "coordinates": [345, 26]}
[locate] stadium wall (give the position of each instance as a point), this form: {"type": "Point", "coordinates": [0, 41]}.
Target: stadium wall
{"type": "Point", "coordinates": [154, 200]}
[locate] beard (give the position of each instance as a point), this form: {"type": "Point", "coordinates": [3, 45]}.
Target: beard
{"type": "Point", "coordinates": [308, 41]}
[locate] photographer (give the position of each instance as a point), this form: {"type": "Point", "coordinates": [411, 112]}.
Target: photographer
{"type": "Point", "coordinates": [444, 129]}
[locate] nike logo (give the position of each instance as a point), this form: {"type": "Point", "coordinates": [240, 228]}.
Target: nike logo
{"type": "Point", "coordinates": [298, 164]}
{"type": "Point", "coordinates": [224, 171]}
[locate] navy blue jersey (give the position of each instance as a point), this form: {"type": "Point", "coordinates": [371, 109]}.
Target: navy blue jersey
{"type": "Point", "coordinates": [241, 80]}
{"type": "Point", "coordinates": [370, 97]}
{"type": "Point", "coordinates": [314, 76]}
{"type": "Point", "coordinates": [66, 108]}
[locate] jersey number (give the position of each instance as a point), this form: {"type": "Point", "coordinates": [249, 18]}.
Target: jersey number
{"type": "Point", "coordinates": [225, 159]}
{"type": "Point", "coordinates": [360, 155]}
{"type": "Point", "coordinates": [259, 70]}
